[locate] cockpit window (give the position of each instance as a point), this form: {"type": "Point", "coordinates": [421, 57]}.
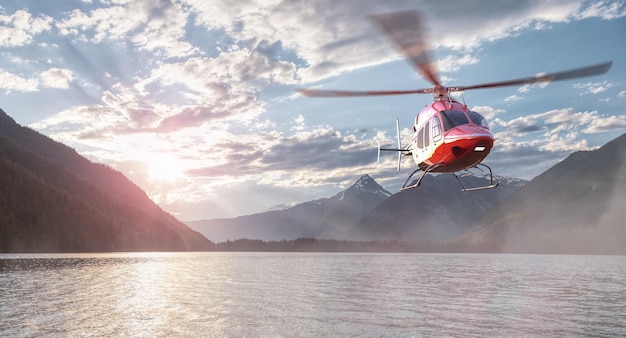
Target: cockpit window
{"type": "Point", "coordinates": [478, 119]}
{"type": "Point", "coordinates": [453, 118]}
{"type": "Point", "coordinates": [475, 117]}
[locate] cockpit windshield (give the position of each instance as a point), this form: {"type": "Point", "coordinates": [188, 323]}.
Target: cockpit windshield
{"type": "Point", "coordinates": [478, 119]}
{"type": "Point", "coordinates": [453, 118]}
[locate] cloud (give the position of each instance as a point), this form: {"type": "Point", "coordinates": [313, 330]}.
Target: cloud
{"type": "Point", "coordinates": [311, 151]}
{"type": "Point", "coordinates": [182, 94]}
{"type": "Point", "coordinates": [125, 111]}
{"type": "Point", "coordinates": [56, 78]}
{"type": "Point", "coordinates": [488, 112]}
{"type": "Point", "coordinates": [241, 70]}
{"type": "Point", "coordinates": [50, 78]}
{"type": "Point", "coordinates": [151, 25]}
{"type": "Point", "coordinates": [566, 143]}
{"type": "Point", "coordinates": [594, 87]}
{"type": "Point", "coordinates": [11, 82]}
{"type": "Point", "coordinates": [528, 87]}
{"type": "Point", "coordinates": [608, 123]}
{"type": "Point", "coordinates": [330, 37]}
{"type": "Point", "coordinates": [605, 10]}
{"type": "Point", "coordinates": [453, 63]}
{"type": "Point", "coordinates": [512, 98]}
{"type": "Point", "coordinates": [19, 28]}
{"type": "Point", "coordinates": [521, 125]}
{"type": "Point", "coordinates": [298, 123]}
{"type": "Point", "coordinates": [188, 116]}
{"type": "Point", "coordinates": [522, 159]}
{"type": "Point", "coordinates": [560, 129]}
{"type": "Point", "coordinates": [551, 122]}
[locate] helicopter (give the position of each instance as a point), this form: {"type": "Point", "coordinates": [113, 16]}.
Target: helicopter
{"type": "Point", "coordinates": [448, 137]}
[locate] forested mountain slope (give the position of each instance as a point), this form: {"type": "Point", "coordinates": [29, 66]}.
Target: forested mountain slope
{"type": "Point", "coordinates": [54, 200]}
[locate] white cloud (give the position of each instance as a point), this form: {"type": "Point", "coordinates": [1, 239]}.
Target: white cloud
{"type": "Point", "coordinates": [298, 123]}
{"type": "Point", "coordinates": [56, 78]}
{"type": "Point", "coordinates": [622, 93]}
{"type": "Point", "coordinates": [609, 123]}
{"type": "Point", "coordinates": [51, 78]}
{"type": "Point", "coordinates": [488, 112]}
{"type": "Point", "coordinates": [594, 87]}
{"type": "Point", "coordinates": [76, 22]}
{"type": "Point", "coordinates": [151, 25]}
{"type": "Point", "coordinates": [605, 10]}
{"type": "Point", "coordinates": [19, 28]}
{"type": "Point", "coordinates": [528, 87]}
{"type": "Point", "coordinates": [222, 86]}
{"type": "Point", "coordinates": [512, 98]}
{"type": "Point", "coordinates": [521, 125]}
{"type": "Point", "coordinates": [10, 82]}
{"type": "Point", "coordinates": [567, 115]}
{"type": "Point", "coordinates": [327, 37]}
{"type": "Point", "coordinates": [453, 63]}
{"type": "Point", "coordinates": [242, 69]}
{"type": "Point", "coordinates": [568, 143]}
{"type": "Point", "coordinates": [560, 128]}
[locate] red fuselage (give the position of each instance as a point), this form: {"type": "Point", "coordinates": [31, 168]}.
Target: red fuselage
{"type": "Point", "coordinates": [451, 136]}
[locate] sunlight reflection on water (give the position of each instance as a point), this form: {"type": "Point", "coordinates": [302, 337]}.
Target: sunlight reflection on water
{"type": "Point", "coordinates": [311, 294]}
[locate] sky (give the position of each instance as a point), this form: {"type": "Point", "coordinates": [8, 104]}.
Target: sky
{"type": "Point", "coordinates": [195, 101]}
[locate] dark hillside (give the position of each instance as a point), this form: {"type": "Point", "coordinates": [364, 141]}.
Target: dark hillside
{"type": "Point", "coordinates": [46, 207]}
{"type": "Point", "coordinates": [577, 206]}
{"type": "Point", "coordinates": [437, 211]}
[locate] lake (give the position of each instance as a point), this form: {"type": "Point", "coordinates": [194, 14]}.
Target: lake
{"type": "Point", "coordinates": [311, 294]}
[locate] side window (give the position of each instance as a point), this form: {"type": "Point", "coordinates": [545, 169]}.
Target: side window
{"type": "Point", "coordinates": [427, 134]}
{"type": "Point", "coordinates": [420, 138]}
{"type": "Point", "coordinates": [436, 129]}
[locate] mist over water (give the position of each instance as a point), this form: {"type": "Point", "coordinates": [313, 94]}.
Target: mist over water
{"type": "Point", "coordinates": [311, 294]}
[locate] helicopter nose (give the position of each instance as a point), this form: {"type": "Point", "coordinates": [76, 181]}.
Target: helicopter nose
{"type": "Point", "coordinates": [474, 131]}
{"type": "Point", "coordinates": [470, 143]}
{"type": "Point", "coordinates": [458, 151]}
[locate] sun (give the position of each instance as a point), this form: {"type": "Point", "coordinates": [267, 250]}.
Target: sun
{"type": "Point", "coordinates": [160, 158]}
{"type": "Point", "coordinates": [164, 168]}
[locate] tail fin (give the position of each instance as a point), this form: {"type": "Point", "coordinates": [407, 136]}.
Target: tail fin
{"type": "Point", "coordinates": [399, 150]}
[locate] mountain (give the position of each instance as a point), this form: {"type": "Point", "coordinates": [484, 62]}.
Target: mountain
{"type": "Point", "coordinates": [327, 218]}
{"type": "Point", "coordinates": [577, 206]}
{"type": "Point", "coordinates": [54, 200]}
{"type": "Point", "coordinates": [437, 211]}
{"type": "Point", "coordinates": [279, 207]}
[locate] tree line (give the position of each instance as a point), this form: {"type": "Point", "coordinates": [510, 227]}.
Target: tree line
{"type": "Point", "coordinates": [331, 245]}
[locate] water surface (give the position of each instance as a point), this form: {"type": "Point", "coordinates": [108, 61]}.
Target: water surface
{"type": "Point", "coordinates": [311, 294]}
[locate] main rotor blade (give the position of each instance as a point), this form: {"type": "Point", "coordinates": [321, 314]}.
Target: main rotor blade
{"type": "Point", "coordinates": [348, 93]}
{"type": "Point", "coordinates": [564, 75]}
{"type": "Point", "coordinates": [406, 30]}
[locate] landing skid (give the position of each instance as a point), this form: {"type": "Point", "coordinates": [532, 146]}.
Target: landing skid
{"type": "Point", "coordinates": [467, 173]}
{"type": "Point", "coordinates": [419, 181]}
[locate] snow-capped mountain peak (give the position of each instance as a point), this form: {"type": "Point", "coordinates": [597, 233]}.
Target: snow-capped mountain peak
{"type": "Point", "coordinates": [366, 184]}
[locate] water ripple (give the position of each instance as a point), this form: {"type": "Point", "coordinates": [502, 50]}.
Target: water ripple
{"type": "Point", "coordinates": [311, 294]}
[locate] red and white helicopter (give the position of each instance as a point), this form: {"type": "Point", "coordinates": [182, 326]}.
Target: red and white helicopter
{"type": "Point", "coordinates": [448, 137]}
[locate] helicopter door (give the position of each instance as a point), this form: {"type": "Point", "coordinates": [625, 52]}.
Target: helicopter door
{"type": "Point", "coordinates": [424, 142]}
{"type": "Point", "coordinates": [436, 132]}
